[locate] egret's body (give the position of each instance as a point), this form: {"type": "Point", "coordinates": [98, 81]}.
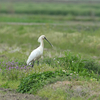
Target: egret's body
{"type": "Point", "coordinates": [37, 53]}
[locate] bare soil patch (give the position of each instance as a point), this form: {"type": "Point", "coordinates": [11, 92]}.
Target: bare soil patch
{"type": "Point", "coordinates": [6, 94]}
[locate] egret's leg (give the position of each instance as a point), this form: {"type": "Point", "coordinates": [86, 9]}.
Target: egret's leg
{"type": "Point", "coordinates": [38, 62]}
{"type": "Point", "coordinates": [33, 64]}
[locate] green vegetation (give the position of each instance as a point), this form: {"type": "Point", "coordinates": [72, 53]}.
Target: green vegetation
{"type": "Point", "coordinates": [71, 69]}
{"type": "Point", "coordinates": [81, 44]}
{"type": "Point", "coordinates": [79, 38]}
{"type": "Point", "coordinates": [48, 12]}
{"type": "Point", "coordinates": [72, 64]}
{"type": "Point", "coordinates": [75, 52]}
{"type": "Point", "coordinates": [73, 90]}
{"type": "Point", "coordinates": [50, 8]}
{"type": "Point", "coordinates": [33, 82]}
{"type": "Point", "coordinates": [32, 18]}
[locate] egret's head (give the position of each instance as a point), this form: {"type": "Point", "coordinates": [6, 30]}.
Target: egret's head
{"type": "Point", "coordinates": [40, 39]}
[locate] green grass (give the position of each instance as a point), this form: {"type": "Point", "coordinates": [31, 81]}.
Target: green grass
{"type": "Point", "coordinates": [50, 93]}
{"type": "Point", "coordinates": [41, 18]}
{"type": "Point", "coordinates": [48, 12]}
{"type": "Point", "coordinates": [72, 66]}
{"type": "Point", "coordinates": [9, 84]}
{"type": "Point", "coordinates": [74, 90]}
{"type": "Point", "coordinates": [50, 8]}
{"type": "Point", "coordinates": [80, 39]}
{"type": "Point", "coordinates": [75, 51]}
{"type": "Point", "coordinates": [81, 60]}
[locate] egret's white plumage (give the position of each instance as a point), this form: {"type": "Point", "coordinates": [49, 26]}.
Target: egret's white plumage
{"type": "Point", "coordinates": [37, 53]}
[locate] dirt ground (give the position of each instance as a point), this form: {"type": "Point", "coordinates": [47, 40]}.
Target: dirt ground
{"type": "Point", "coordinates": [6, 94]}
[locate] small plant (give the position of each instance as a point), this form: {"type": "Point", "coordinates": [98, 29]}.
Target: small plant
{"type": "Point", "coordinates": [92, 66]}
{"type": "Point", "coordinates": [36, 81]}
{"type": "Point", "coordinates": [75, 63]}
{"type": "Point", "coordinates": [13, 70]}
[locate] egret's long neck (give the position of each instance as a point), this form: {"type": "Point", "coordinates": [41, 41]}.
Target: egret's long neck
{"type": "Point", "coordinates": [42, 44]}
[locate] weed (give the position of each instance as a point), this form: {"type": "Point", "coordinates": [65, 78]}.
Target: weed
{"type": "Point", "coordinates": [35, 81]}
{"type": "Point", "coordinates": [75, 63]}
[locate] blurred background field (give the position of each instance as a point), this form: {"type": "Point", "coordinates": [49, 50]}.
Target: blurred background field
{"type": "Point", "coordinates": [72, 26]}
{"type": "Point", "coordinates": [51, 11]}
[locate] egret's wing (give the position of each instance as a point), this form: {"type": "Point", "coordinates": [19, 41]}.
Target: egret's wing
{"type": "Point", "coordinates": [31, 56]}
{"type": "Point", "coordinates": [35, 54]}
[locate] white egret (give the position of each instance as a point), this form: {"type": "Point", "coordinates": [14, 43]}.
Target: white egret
{"type": "Point", "coordinates": [37, 53]}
